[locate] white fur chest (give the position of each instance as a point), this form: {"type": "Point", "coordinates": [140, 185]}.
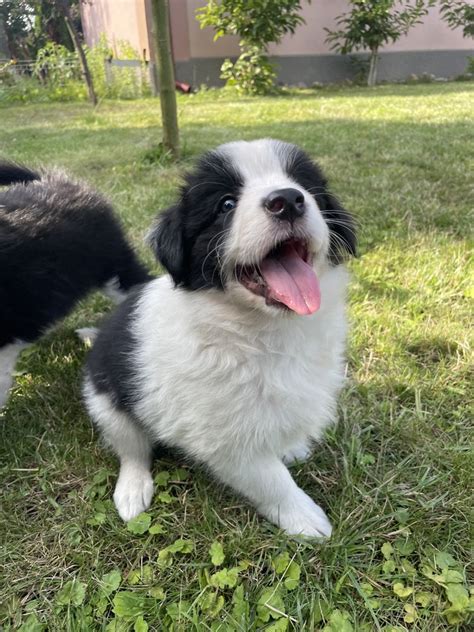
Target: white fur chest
{"type": "Point", "coordinates": [212, 377]}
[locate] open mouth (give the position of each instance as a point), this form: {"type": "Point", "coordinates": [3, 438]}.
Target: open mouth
{"type": "Point", "coordinates": [285, 278]}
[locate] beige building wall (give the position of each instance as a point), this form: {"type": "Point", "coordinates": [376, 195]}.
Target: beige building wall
{"type": "Point", "coordinates": [432, 34]}
{"type": "Point", "coordinates": [118, 20]}
{"type": "Point", "coordinates": [304, 57]}
{"type": "Point", "coordinates": [201, 41]}
{"type": "Point", "coordinates": [309, 39]}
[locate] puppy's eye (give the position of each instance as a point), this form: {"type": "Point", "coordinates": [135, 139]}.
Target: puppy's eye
{"type": "Point", "coordinates": [227, 204]}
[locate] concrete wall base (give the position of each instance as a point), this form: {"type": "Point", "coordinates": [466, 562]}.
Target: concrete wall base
{"type": "Point", "coordinates": [309, 69]}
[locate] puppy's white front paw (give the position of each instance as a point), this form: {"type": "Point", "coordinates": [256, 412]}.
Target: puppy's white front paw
{"type": "Point", "coordinates": [133, 493]}
{"type": "Point", "coordinates": [297, 454]}
{"type": "Point", "coordinates": [299, 515]}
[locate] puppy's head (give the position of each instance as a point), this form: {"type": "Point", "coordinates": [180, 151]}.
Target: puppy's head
{"type": "Point", "coordinates": [255, 219]}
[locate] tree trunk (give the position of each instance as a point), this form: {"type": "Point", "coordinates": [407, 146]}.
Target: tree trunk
{"type": "Point", "coordinates": [64, 10]}
{"type": "Point", "coordinates": [4, 43]}
{"type": "Point", "coordinates": [164, 59]}
{"type": "Point", "coordinates": [374, 58]}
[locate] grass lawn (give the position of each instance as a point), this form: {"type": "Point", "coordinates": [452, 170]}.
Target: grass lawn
{"type": "Point", "coordinates": [395, 475]}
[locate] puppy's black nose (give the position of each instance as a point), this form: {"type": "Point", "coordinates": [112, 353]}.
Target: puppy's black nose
{"type": "Point", "coordinates": [285, 204]}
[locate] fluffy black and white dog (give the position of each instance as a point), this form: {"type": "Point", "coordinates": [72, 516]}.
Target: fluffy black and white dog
{"type": "Point", "coordinates": [236, 356]}
{"type": "Point", "coordinates": [58, 241]}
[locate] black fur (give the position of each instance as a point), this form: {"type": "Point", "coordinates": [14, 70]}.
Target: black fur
{"type": "Point", "coordinates": [108, 364]}
{"type": "Point", "coordinates": [58, 241]}
{"type": "Point", "coordinates": [186, 242]}
{"type": "Point", "coordinates": [186, 237]}
{"type": "Point", "coordinates": [341, 225]}
{"type": "Point", "coordinates": [11, 173]}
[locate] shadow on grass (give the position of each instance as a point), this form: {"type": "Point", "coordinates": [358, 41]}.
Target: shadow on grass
{"type": "Point", "coordinates": [46, 430]}
{"type": "Point", "coordinates": [392, 174]}
{"type": "Point", "coordinates": [416, 90]}
{"type": "Point", "coordinates": [217, 95]}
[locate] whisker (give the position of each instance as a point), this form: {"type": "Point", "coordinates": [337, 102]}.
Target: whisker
{"type": "Point", "coordinates": [316, 188]}
{"type": "Point", "coordinates": [327, 214]}
{"type": "Point", "coordinates": [350, 229]}
{"type": "Point", "coordinates": [219, 237]}
{"type": "Point", "coordinates": [340, 244]}
{"type": "Point", "coordinates": [200, 184]}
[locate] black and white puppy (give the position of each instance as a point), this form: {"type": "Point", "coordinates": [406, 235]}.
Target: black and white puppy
{"type": "Point", "coordinates": [58, 241]}
{"type": "Point", "coordinates": [236, 356]}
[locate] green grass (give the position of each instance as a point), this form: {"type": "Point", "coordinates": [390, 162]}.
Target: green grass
{"type": "Point", "coordinates": [395, 475]}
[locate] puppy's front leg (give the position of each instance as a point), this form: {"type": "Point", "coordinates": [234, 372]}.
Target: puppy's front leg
{"type": "Point", "coordinates": [267, 483]}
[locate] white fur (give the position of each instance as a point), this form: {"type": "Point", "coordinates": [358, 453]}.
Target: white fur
{"type": "Point", "coordinates": [113, 291]}
{"type": "Point", "coordinates": [236, 390]}
{"type": "Point", "coordinates": [238, 385]}
{"type": "Point", "coordinates": [298, 453]}
{"type": "Point", "coordinates": [8, 357]}
{"type": "Point", "coordinates": [87, 335]}
{"type": "Point", "coordinates": [254, 232]}
{"type": "Point", "coordinates": [134, 489]}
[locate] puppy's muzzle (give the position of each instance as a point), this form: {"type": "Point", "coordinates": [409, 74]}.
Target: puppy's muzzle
{"type": "Point", "coordinates": [285, 204]}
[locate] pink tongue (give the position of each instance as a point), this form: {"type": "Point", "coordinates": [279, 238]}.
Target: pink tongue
{"type": "Point", "coordinates": [292, 281]}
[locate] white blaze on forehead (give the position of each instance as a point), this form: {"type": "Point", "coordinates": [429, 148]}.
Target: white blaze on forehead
{"type": "Point", "coordinates": [263, 167]}
{"type": "Point", "coordinates": [258, 159]}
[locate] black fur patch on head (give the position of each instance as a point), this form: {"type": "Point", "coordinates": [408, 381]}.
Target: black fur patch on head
{"type": "Point", "coordinates": [188, 237]}
{"type": "Point", "coordinates": [342, 229]}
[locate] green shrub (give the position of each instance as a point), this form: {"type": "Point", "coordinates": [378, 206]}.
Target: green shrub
{"type": "Point", "coordinates": [56, 75]}
{"type": "Point", "coordinates": [252, 73]}
{"type": "Point", "coordinates": [7, 77]}
{"type": "Point", "coordinates": [116, 83]}
{"type": "Point", "coordinates": [55, 65]}
{"type": "Point", "coordinates": [372, 23]}
{"type": "Point", "coordinates": [257, 23]}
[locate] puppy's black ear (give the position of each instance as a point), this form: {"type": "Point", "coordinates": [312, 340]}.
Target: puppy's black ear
{"type": "Point", "coordinates": [342, 228]}
{"type": "Point", "coordinates": [166, 241]}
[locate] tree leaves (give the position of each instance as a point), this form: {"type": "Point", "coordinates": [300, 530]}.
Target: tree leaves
{"type": "Point", "coordinates": [372, 23]}
{"type": "Point", "coordinates": [257, 23]}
